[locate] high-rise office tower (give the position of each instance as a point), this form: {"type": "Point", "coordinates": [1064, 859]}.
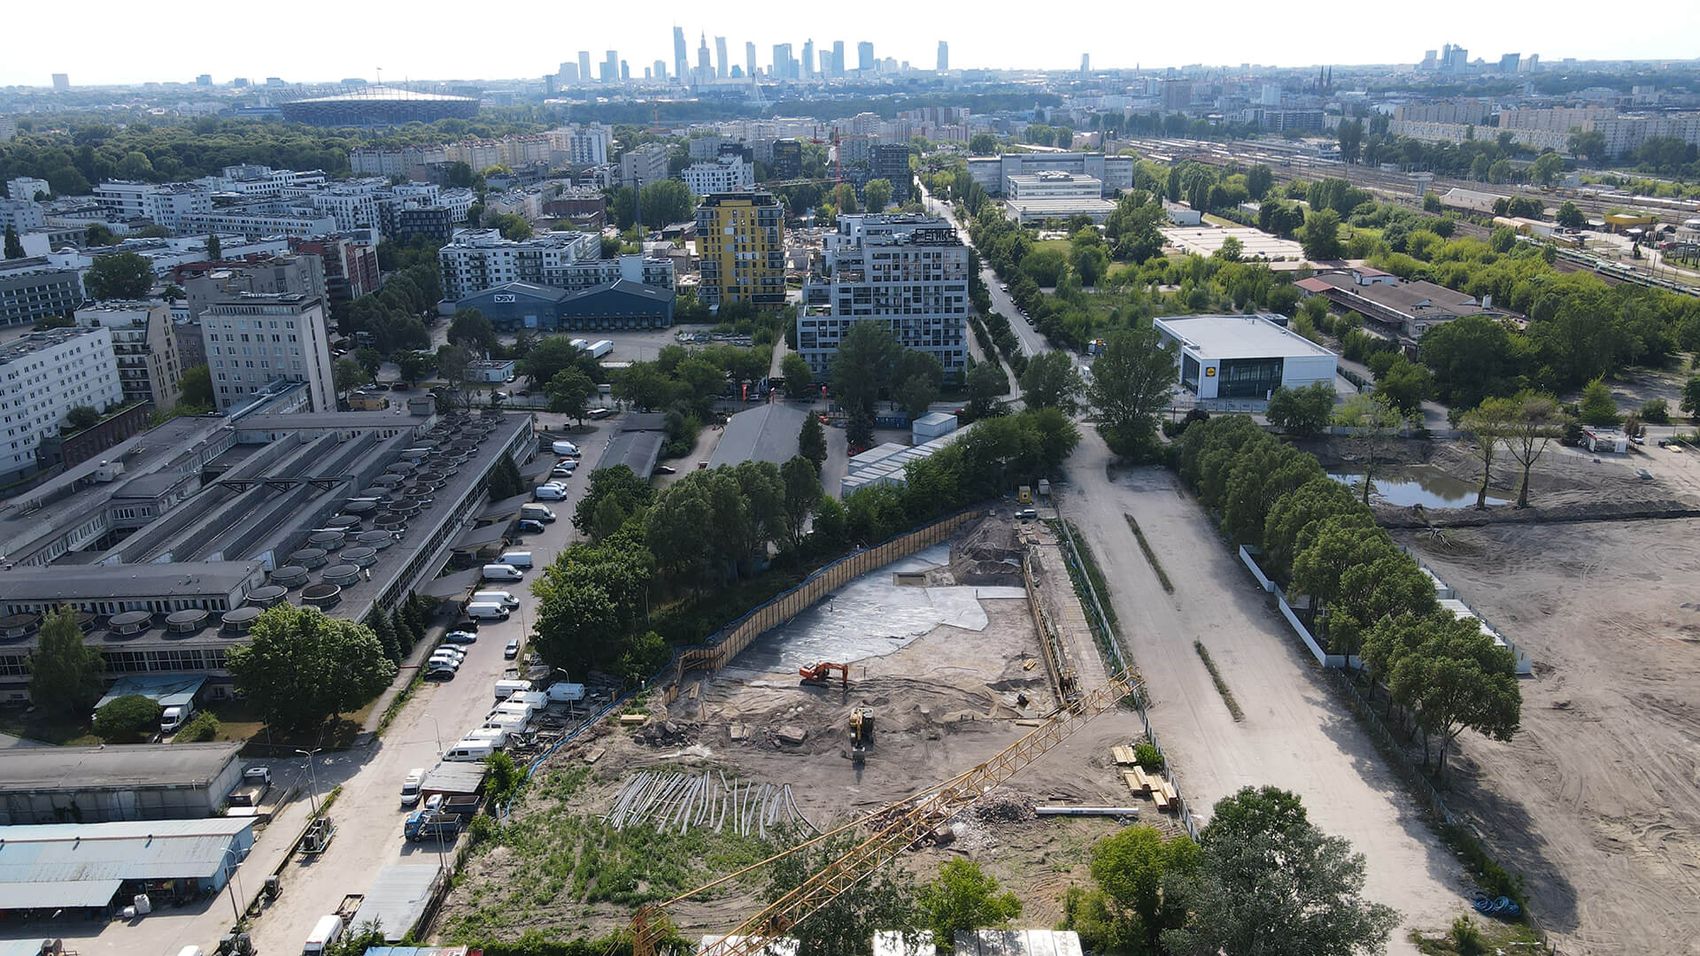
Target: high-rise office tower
{"type": "Point", "coordinates": [723, 67]}
{"type": "Point", "coordinates": [611, 67]}
{"type": "Point", "coordinates": [584, 74]}
{"type": "Point", "coordinates": [61, 82]}
{"type": "Point", "coordinates": [837, 58]}
{"type": "Point", "coordinates": [865, 57]}
{"type": "Point", "coordinates": [705, 68]}
{"type": "Point", "coordinates": [625, 72]}
{"type": "Point", "coordinates": [944, 57]}
{"type": "Point", "coordinates": [1085, 63]}
{"type": "Point", "coordinates": [783, 65]}
{"type": "Point", "coordinates": [681, 59]}
{"type": "Point", "coordinates": [750, 60]}
{"type": "Point", "coordinates": [660, 70]}
{"type": "Point", "coordinates": [568, 74]}
{"type": "Point", "coordinates": [808, 58]}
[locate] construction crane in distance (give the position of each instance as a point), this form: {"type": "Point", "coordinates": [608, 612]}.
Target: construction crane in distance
{"type": "Point", "coordinates": [891, 829]}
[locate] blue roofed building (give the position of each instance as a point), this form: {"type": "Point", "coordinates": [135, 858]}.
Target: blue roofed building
{"type": "Point", "coordinates": [89, 867]}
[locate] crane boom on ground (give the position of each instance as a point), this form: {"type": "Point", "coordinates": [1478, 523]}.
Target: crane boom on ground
{"type": "Point", "coordinates": [892, 829]}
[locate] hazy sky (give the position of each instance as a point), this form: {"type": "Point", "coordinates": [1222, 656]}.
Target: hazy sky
{"type": "Point", "coordinates": [120, 41]}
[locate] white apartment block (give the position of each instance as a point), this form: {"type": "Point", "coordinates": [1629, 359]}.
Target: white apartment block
{"type": "Point", "coordinates": [581, 145]}
{"type": "Point", "coordinates": [255, 339]}
{"type": "Point", "coordinates": [258, 223]}
{"type": "Point", "coordinates": [21, 215]}
{"type": "Point", "coordinates": [42, 377]}
{"type": "Point", "coordinates": [909, 272]}
{"type": "Point", "coordinates": [727, 174]}
{"type": "Point", "coordinates": [261, 182]}
{"type": "Point", "coordinates": [144, 347]}
{"type": "Point", "coordinates": [480, 259]}
{"type": "Point", "coordinates": [25, 188]}
{"type": "Point", "coordinates": [644, 165]}
{"type": "Point", "coordinates": [165, 204]}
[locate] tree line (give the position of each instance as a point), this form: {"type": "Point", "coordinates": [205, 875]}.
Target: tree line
{"type": "Point", "coordinates": [1367, 597]}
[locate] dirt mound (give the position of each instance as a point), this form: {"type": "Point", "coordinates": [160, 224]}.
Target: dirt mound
{"type": "Point", "coordinates": [1003, 806]}
{"type": "Point", "coordinates": [988, 555]}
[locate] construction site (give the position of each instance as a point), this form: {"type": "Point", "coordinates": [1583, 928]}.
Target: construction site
{"type": "Point", "coordinates": [950, 702]}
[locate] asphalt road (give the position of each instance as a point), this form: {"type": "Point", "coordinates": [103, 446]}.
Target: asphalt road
{"type": "Point", "coordinates": [1032, 343]}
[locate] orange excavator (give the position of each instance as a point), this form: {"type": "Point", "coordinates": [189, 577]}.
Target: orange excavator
{"type": "Point", "coordinates": [819, 674]}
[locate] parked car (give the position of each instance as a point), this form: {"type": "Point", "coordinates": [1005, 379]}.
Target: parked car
{"type": "Point", "coordinates": [435, 673]}
{"type": "Point", "coordinates": [528, 526]}
{"type": "Point", "coordinates": [460, 637]}
{"type": "Point", "coordinates": [257, 775]}
{"type": "Point", "coordinates": [666, 470]}
{"type": "Point", "coordinates": [1027, 514]}
{"type": "Point", "coordinates": [563, 470]}
{"type": "Point", "coordinates": [512, 650]}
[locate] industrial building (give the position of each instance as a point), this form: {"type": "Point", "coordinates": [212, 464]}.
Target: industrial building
{"type": "Point", "coordinates": [43, 376]}
{"type": "Point", "coordinates": [106, 784]}
{"type": "Point", "coordinates": [33, 289]}
{"type": "Point", "coordinates": [741, 245]}
{"type": "Point", "coordinates": [1114, 173]}
{"type": "Point", "coordinates": [621, 304]}
{"type": "Point", "coordinates": [186, 533]}
{"type": "Point", "coordinates": [397, 903]}
{"type": "Point", "coordinates": [476, 260]}
{"type": "Point", "coordinates": [909, 272]}
{"type": "Point", "coordinates": [81, 870]}
{"type": "Point", "coordinates": [767, 433]}
{"type": "Point", "coordinates": [1053, 194]}
{"type": "Point", "coordinates": [887, 465]}
{"type": "Point", "coordinates": [1243, 356]}
{"type": "Point", "coordinates": [1407, 309]}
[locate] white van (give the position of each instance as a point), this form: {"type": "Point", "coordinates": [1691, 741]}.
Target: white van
{"type": "Point", "coordinates": [507, 688]}
{"type": "Point", "coordinates": [519, 708]}
{"type": "Point", "coordinates": [502, 572]}
{"type": "Point", "coordinates": [487, 612]}
{"type": "Point", "coordinates": [550, 492]}
{"type": "Point", "coordinates": [512, 723]}
{"type": "Point", "coordinates": [517, 559]}
{"type": "Point", "coordinates": [536, 698]}
{"type": "Point", "coordinates": [495, 597]}
{"type": "Point", "coordinates": [410, 785]}
{"type": "Point", "coordinates": [564, 448]}
{"type": "Point", "coordinates": [536, 512]}
{"type": "Point", "coordinates": [565, 693]}
{"type": "Point", "coordinates": [469, 751]}
{"type": "Point", "coordinates": [325, 934]}
{"type": "Point", "coordinates": [495, 735]}
{"type": "Point", "coordinates": [189, 951]}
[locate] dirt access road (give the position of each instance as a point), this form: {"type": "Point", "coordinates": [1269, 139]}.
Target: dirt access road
{"type": "Point", "coordinates": [1294, 735]}
{"type": "Point", "coordinates": [1594, 801]}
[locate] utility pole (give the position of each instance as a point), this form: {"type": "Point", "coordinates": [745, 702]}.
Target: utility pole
{"type": "Point", "coordinates": [313, 775]}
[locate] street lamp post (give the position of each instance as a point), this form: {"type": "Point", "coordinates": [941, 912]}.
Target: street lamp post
{"type": "Point", "coordinates": [230, 884]}
{"type": "Point", "coordinates": [439, 730]}
{"type": "Point", "coordinates": [313, 776]}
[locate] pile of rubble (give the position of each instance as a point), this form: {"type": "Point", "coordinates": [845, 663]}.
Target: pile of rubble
{"type": "Point", "coordinates": [1003, 806]}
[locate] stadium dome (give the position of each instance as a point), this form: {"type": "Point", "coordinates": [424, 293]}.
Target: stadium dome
{"type": "Point", "coordinates": [379, 106]}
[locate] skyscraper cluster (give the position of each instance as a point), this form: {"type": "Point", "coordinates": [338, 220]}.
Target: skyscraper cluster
{"type": "Point", "coordinates": [714, 63]}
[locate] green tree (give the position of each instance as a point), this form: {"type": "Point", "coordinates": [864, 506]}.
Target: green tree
{"type": "Point", "coordinates": [569, 393]}
{"type": "Point", "coordinates": [802, 493]}
{"type": "Point", "coordinates": [381, 626]}
{"type": "Point", "coordinates": [1538, 421]}
{"type": "Point", "coordinates": [215, 249]}
{"type": "Point", "coordinates": [811, 441]}
{"type": "Point", "coordinates": [371, 360]}
{"type": "Point", "coordinates": [1597, 407]}
{"type": "Point", "coordinates": [1691, 397]}
{"type": "Point", "coordinates": [470, 329]}
{"type": "Point", "coordinates": [1301, 510]}
{"type": "Point", "coordinates": [119, 275]}
{"type": "Point", "coordinates": [1230, 250]}
{"type": "Point", "coordinates": [1138, 873]}
{"type": "Point", "coordinates": [619, 487]}
{"type": "Point", "coordinates": [1301, 411]}
{"type": "Point", "coordinates": [799, 378]}
{"type": "Point", "coordinates": [549, 358]}
{"type": "Point", "coordinates": [1570, 217]}
{"type": "Point", "coordinates": [1546, 168]}
{"type": "Point", "coordinates": [301, 668]}
{"type": "Point", "coordinates": [1269, 883]}
{"type": "Point", "coordinates": [963, 897]}
{"type": "Point", "coordinates": [983, 144]}
{"type": "Point", "coordinates": [877, 194]}
{"type": "Point", "coordinates": [1449, 674]}
{"type": "Point", "coordinates": [454, 364]}
{"type": "Point", "coordinates": [1326, 549]}
{"type": "Point", "coordinates": [665, 202]}
{"type": "Point", "coordinates": [1350, 134]}
{"type": "Point", "coordinates": [65, 673]}
{"type": "Point", "coordinates": [1132, 381]}
{"type": "Point", "coordinates": [1405, 385]}
{"type": "Point", "coordinates": [196, 386]}
{"type": "Point", "coordinates": [646, 386]}
{"type": "Point", "coordinates": [128, 719]}
{"type": "Point", "coordinates": [1589, 144]}
{"type": "Point", "coordinates": [14, 247]}
{"type": "Point", "coordinates": [414, 366]}
{"type": "Point", "coordinates": [915, 394]}
{"type": "Point", "coordinates": [347, 375]}
{"type": "Point", "coordinates": [81, 417]}
{"type": "Point", "coordinates": [1321, 239]}
{"type": "Point", "coordinates": [844, 925]}
{"type": "Point", "coordinates": [1471, 358]}
{"type": "Point", "coordinates": [1258, 180]}
{"type": "Point", "coordinates": [98, 236]}
{"type": "Point", "coordinates": [867, 357]}
{"type": "Point", "coordinates": [1375, 423]}
{"type": "Point", "coordinates": [505, 481]}
{"type": "Point", "coordinates": [1051, 381]}
{"type": "Point", "coordinates": [985, 383]}
{"type": "Point", "coordinates": [1489, 424]}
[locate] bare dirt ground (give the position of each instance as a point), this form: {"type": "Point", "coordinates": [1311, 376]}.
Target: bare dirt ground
{"type": "Point", "coordinates": [943, 703]}
{"type": "Point", "coordinates": [1295, 735]}
{"type": "Point", "coordinates": [1596, 801]}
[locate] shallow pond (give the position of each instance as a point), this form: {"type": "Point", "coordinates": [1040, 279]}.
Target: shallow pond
{"type": "Point", "coordinates": [1426, 485]}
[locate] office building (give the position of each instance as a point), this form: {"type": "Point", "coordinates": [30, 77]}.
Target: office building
{"type": "Point", "coordinates": [787, 162]}
{"type": "Point", "coordinates": [1243, 356]}
{"type": "Point", "coordinates": [301, 274]}
{"type": "Point", "coordinates": [750, 60]}
{"type": "Point", "coordinates": [944, 57]}
{"type": "Point", "coordinates": [784, 67]}
{"type": "Point", "coordinates": [256, 339]}
{"type": "Point", "coordinates": [646, 164]}
{"type": "Point", "coordinates": [723, 66]}
{"type": "Point", "coordinates": [809, 59]}
{"type": "Point", "coordinates": [143, 347]}
{"type": "Point", "coordinates": [890, 162]}
{"type": "Point", "coordinates": [1053, 194]}
{"type": "Point", "coordinates": [838, 58]}
{"type": "Point", "coordinates": [865, 61]}
{"type": "Point", "coordinates": [728, 173]}
{"type": "Point", "coordinates": [584, 66]}
{"type": "Point", "coordinates": [476, 260]}
{"type": "Point", "coordinates": [610, 70]}
{"type": "Point", "coordinates": [26, 188]}
{"type": "Point", "coordinates": [681, 59]}
{"type": "Point", "coordinates": [165, 204]}
{"type": "Point", "coordinates": [908, 272]}
{"type": "Point", "coordinates": [61, 82]}
{"type": "Point", "coordinates": [349, 264]}
{"type": "Point", "coordinates": [581, 145]}
{"type": "Point", "coordinates": [567, 75]}
{"type": "Point", "coordinates": [1114, 173]}
{"type": "Point", "coordinates": [21, 215]}
{"type": "Point", "coordinates": [620, 304]}
{"type": "Point", "coordinates": [34, 288]}
{"type": "Point", "coordinates": [44, 375]}
{"type": "Point", "coordinates": [741, 249]}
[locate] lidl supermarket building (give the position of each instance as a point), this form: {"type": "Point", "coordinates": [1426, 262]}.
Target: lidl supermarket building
{"type": "Point", "coordinates": [1243, 356]}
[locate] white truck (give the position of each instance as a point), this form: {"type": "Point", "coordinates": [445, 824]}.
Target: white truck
{"type": "Point", "coordinates": [172, 718]}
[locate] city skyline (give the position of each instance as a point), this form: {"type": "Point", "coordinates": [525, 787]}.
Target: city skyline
{"type": "Point", "coordinates": [415, 48]}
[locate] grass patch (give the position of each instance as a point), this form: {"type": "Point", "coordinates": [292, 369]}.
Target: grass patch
{"type": "Point", "coordinates": [400, 701]}
{"type": "Point", "coordinates": [572, 860]}
{"type": "Point", "coordinates": [1095, 575]}
{"type": "Point", "coordinates": [1150, 555]}
{"type": "Point", "coordinates": [48, 726]}
{"type": "Point", "coordinates": [1216, 678]}
{"type": "Point", "coordinates": [1471, 936]}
